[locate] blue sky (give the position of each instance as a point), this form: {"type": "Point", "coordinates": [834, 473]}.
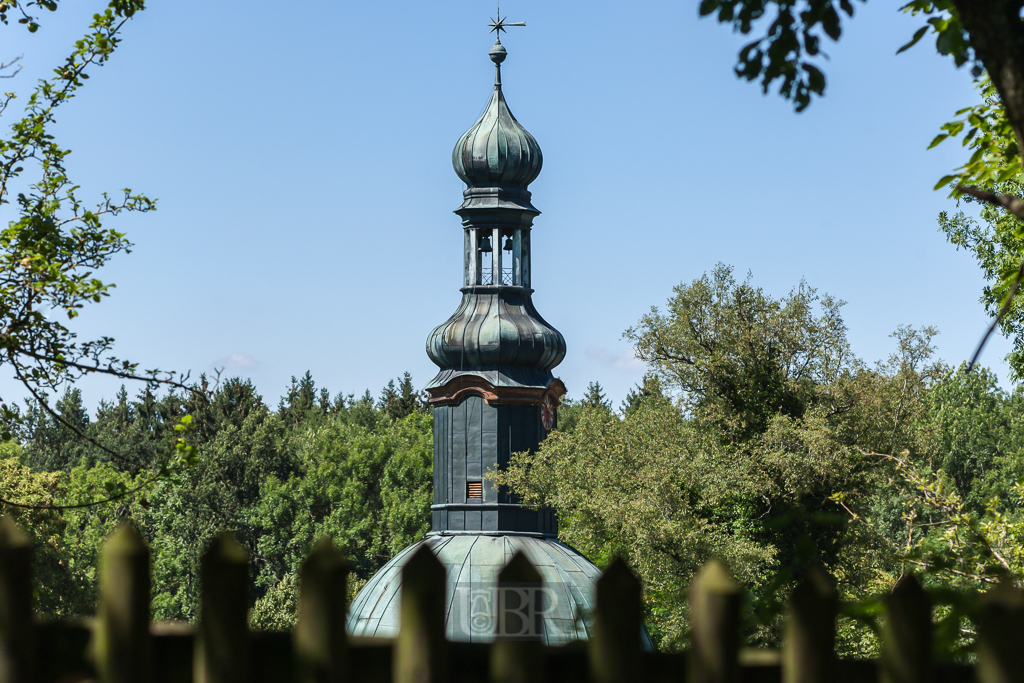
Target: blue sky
{"type": "Point", "coordinates": [301, 157]}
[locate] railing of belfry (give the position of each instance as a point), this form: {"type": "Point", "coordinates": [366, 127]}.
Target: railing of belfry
{"type": "Point", "coordinates": [122, 646]}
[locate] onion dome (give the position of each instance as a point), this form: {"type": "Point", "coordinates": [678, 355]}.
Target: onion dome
{"type": "Point", "coordinates": [488, 331]}
{"type": "Point", "coordinates": [497, 153]}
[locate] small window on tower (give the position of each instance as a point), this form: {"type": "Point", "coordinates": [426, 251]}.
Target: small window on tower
{"type": "Point", "coordinates": [475, 489]}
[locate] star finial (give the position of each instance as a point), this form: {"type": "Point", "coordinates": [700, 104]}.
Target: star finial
{"type": "Point", "coordinates": [498, 25]}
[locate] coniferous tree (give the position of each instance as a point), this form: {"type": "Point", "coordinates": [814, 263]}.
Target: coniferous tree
{"type": "Point", "coordinates": [49, 445]}
{"type": "Point", "coordinates": [595, 398]}
{"type": "Point", "coordinates": [650, 387]}
{"type": "Point", "coordinates": [388, 401]}
{"type": "Point", "coordinates": [300, 400]}
{"type": "Point", "coordinates": [401, 400]}
{"type": "Point", "coordinates": [361, 411]}
{"type": "Point", "coordinates": [408, 399]}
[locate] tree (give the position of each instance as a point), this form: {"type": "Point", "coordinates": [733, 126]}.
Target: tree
{"type": "Point", "coordinates": [595, 398]}
{"type": "Point", "coordinates": [361, 411]}
{"type": "Point", "coordinates": [278, 484]}
{"type": "Point", "coordinates": [644, 487]}
{"type": "Point", "coordinates": [648, 389]}
{"type": "Point", "coordinates": [996, 239]}
{"type": "Point", "coordinates": [50, 252]}
{"type": "Point", "coordinates": [53, 244]}
{"type": "Point", "coordinates": [738, 357]}
{"type": "Point", "coordinates": [300, 400]}
{"type": "Point", "coordinates": [45, 527]}
{"type": "Point", "coordinates": [397, 402]}
{"type": "Point", "coordinates": [988, 35]}
{"type": "Point", "coordinates": [49, 444]}
{"type": "Point", "coordinates": [977, 449]}
{"type": "Point", "coordinates": [752, 458]}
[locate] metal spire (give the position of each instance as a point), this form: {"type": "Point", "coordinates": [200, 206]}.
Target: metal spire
{"type": "Point", "coordinates": [497, 53]}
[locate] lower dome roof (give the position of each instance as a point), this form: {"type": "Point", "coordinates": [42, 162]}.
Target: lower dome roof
{"type": "Point", "coordinates": [473, 561]}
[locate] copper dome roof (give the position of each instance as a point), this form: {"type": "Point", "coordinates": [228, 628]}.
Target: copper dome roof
{"type": "Point", "coordinates": [497, 151]}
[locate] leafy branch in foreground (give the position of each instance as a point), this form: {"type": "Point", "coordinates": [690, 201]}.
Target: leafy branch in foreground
{"type": "Point", "coordinates": [986, 35]}
{"type": "Point", "coordinates": [183, 457]}
{"type": "Point", "coordinates": [968, 547]}
{"type": "Point", "coordinates": [54, 243]}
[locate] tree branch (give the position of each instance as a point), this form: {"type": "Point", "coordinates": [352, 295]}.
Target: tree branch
{"type": "Point", "coordinates": [123, 494]}
{"type": "Point", "coordinates": [1014, 205]}
{"type": "Point", "coordinates": [1003, 310]}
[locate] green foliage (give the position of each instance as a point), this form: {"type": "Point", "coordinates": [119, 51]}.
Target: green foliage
{"type": "Point", "coordinates": [50, 252]}
{"type": "Point", "coordinates": [45, 527]}
{"type": "Point", "coordinates": [784, 53]}
{"type": "Point", "coordinates": [650, 388]}
{"type": "Point", "coordinates": [977, 448]}
{"type": "Point", "coordinates": [996, 239]}
{"type": "Point", "coordinates": [951, 39]}
{"type": "Point", "coordinates": [995, 159]}
{"type": "Point", "coordinates": [595, 398]}
{"type": "Point", "coordinates": [277, 609]}
{"type": "Point", "coordinates": [737, 357]}
{"type": "Point", "coordinates": [674, 510]}
{"type": "Point", "coordinates": [791, 43]}
{"type": "Point", "coordinates": [753, 459]}
{"type": "Point", "coordinates": [370, 491]}
{"type": "Point", "coordinates": [278, 480]}
{"type": "Point", "coordinates": [397, 402]}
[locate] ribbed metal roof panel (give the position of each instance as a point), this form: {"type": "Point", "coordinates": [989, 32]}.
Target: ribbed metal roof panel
{"type": "Point", "coordinates": [472, 563]}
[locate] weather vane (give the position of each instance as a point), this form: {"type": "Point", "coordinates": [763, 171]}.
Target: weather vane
{"type": "Point", "coordinates": [498, 25]}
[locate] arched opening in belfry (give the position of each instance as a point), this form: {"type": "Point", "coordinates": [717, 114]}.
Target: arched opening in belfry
{"type": "Point", "coordinates": [508, 276]}
{"type": "Point", "coordinates": [486, 256]}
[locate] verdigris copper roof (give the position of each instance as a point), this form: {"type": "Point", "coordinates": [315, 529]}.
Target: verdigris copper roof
{"type": "Point", "coordinates": [497, 158]}
{"type": "Point", "coordinates": [497, 150]}
{"type": "Point", "coordinates": [473, 562]}
{"type": "Point", "coordinates": [488, 331]}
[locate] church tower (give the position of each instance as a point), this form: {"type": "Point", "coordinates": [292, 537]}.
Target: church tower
{"type": "Point", "coordinates": [494, 395]}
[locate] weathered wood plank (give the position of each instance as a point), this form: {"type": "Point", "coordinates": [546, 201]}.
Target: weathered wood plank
{"type": "Point", "coordinates": [62, 651]}
{"type": "Point", "coordinates": [517, 655]}
{"type": "Point", "coordinates": [222, 645]}
{"type": "Point", "coordinates": [321, 644]}
{"type": "Point", "coordinates": [714, 626]}
{"type": "Point", "coordinates": [421, 651]}
{"type": "Point", "coordinates": [124, 648]}
{"type": "Point", "coordinates": [1000, 642]}
{"type": "Point", "coordinates": [907, 634]}
{"type": "Point", "coordinates": [173, 652]}
{"type": "Point", "coordinates": [17, 641]}
{"type": "Point", "coordinates": [808, 649]}
{"type": "Point", "coordinates": [615, 648]}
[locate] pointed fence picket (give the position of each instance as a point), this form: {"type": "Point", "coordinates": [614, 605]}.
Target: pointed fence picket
{"type": "Point", "coordinates": [122, 646]}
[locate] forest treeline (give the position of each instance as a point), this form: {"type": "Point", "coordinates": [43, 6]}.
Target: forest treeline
{"type": "Point", "coordinates": [356, 469]}
{"type": "Point", "coordinates": [757, 436]}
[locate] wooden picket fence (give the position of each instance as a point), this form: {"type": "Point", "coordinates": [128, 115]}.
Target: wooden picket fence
{"type": "Point", "coordinates": [121, 645]}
